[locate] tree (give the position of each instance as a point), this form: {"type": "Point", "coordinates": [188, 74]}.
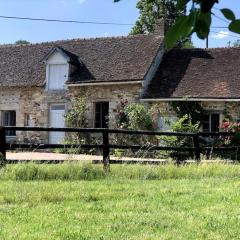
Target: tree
{"type": "Point", "coordinates": [151, 11]}
{"type": "Point", "coordinates": [198, 21]}
{"type": "Point", "coordinates": [21, 42]}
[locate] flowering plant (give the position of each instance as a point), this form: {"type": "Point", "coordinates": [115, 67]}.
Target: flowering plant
{"type": "Point", "coordinates": [121, 116]}
{"type": "Point", "coordinates": [231, 127]}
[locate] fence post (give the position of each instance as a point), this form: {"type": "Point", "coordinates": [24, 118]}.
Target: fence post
{"type": "Point", "coordinates": [197, 147]}
{"type": "Point", "coordinates": [2, 145]}
{"type": "Point", "coordinates": [106, 151]}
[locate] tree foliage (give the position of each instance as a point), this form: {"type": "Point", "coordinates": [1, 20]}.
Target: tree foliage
{"type": "Point", "coordinates": [151, 10]}
{"type": "Point", "coordinates": [198, 20]}
{"type": "Point", "coordinates": [21, 42]}
{"type": "Point", "coordinates": [188, 108]}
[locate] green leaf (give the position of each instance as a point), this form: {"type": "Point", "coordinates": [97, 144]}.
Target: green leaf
{"type": "Point", "coordinates": [228, 14]}
{"type": "Point", "coordinates": [202, 26]}
{"type": "Point", "coordinates": [187, 25]}
{"type": "Point", "coordinates": [173, 34]}
{"type": "Point", "coordinates": [182, 3]}
{"type": "Point", "coordinates": [182, 29]}
{"type": "Point", "coordinates": [234, 26]}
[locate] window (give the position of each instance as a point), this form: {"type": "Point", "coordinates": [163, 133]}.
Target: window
{"type": "Point", "coordinates": [210, 123]}
{"type": "Point", "coordinates": [58, 107]}
{"type": "Point", "coordinates": [101, 114]}
{"type": "Point", "coordinates": [27, 120]}
{"type": "Point", "coordinates": [9, 119]}
{"type": "Point", "coordinates": [57, 76]}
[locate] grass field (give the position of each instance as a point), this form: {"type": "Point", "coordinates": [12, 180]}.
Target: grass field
{"type": "Point", "coordinates": [132, 202]}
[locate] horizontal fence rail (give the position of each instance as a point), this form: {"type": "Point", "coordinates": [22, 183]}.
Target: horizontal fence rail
{"type": "Point", "coordinates": [105, 146]}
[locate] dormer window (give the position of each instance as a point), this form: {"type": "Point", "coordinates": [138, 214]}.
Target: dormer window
{"type": "Point", "coordinates": [58, 63]}
{"type": "Point", "coordinates": [57, 76]}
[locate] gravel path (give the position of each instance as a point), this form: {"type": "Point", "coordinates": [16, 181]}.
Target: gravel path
{"type": "Point", "coordinates": [40, 156]}
{"type": "Point", "coordinates": [49, 156]}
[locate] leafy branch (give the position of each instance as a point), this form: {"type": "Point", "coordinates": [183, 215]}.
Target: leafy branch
{"type": "Point", "coordinates": [198, 20]}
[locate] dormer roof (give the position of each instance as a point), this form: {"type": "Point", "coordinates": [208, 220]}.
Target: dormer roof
{"type": "Point", "coordinates": [70, 57]}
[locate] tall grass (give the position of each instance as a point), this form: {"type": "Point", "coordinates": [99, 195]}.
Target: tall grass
{"type": "Point", "coordinates": [87, 171]}
{"type": "Point", "coordinates": [32, 171]}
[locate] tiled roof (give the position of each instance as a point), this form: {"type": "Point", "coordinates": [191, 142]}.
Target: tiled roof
{"type": "Point", "coordinates": [197, 73]}
{"type": "Point", "coordinates": [102, 59]}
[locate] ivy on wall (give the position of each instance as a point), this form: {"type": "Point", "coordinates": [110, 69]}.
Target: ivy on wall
{"type": "Point", "coordinates": [191, 108]}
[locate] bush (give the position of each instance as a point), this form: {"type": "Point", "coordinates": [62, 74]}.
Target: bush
{"type": "Point", "coordinates": [233, 127]}
{"type": "Point", "coordinates": [76, 117]}
{"type": "Point", "coordinates": [183, 124]}
{"type": "Point", "coordinates": [228, 141]}
{"type": "Point", "coordinates": [133, 116]}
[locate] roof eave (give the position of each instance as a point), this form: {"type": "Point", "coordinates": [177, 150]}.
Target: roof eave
{"type": "Point", "coordinates": [92, 83]}
{"type": "Point", "coordinates": [190, 99]}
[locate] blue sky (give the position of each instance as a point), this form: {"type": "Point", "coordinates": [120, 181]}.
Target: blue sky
{"type": "Point", "coordinates": [85, 10]}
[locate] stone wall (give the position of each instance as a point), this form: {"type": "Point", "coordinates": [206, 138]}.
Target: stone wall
{"type": "Point", "coordinates": [227, 110]}
{"type": "Point", "coordinates": [34, 101]}
{"type": "Point", "coordinates": [110, 93]}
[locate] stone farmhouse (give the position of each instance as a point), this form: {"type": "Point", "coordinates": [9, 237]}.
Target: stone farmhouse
{"type": "Point", "coordinates": [38, 81]}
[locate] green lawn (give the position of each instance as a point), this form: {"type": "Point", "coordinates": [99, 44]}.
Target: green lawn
{"type": "Point", "coordinates": [121, 208]}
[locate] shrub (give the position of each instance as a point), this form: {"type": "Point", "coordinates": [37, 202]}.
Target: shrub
{"type": "Point", "coordinates": [231, 127]}
{"type": "Point", "coordinates": [183, 124]}
{"type": "Point", "coordinates": [133, 116]}
{"type": "Point", "coordinates": [76, 117]}
{"type": "Point", "coordinates": [228, 141]}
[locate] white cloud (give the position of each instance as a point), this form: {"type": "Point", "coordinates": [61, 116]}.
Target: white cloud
{"type": "Point", "coordinates": [221, 35]}
{"type": "Point", "coordinates": [81, 1]}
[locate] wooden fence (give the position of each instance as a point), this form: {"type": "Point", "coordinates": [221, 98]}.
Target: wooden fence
{"type": "Point", "coordinates": [106, 146]}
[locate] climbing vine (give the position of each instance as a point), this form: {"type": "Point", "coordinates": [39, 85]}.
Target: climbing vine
{"type": "Point", "coordinates": [192, 109]}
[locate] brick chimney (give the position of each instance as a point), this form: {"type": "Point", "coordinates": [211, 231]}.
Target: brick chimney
{"type": "Point", "coordinates": [160, 27]}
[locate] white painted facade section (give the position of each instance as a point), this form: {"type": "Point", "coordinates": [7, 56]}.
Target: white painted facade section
{"type": "Point", "coordinates": [57, 69]}
{"type": "Point", "coordinates": [57, 121]}
{"type": "Point", "coordinates": [165, 123]}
